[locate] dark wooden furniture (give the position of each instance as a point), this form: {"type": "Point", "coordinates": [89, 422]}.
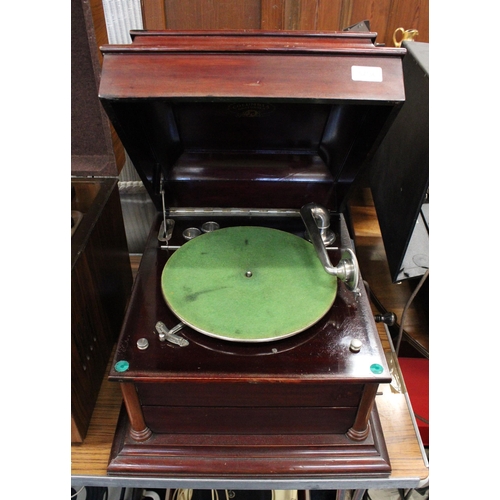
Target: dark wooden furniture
{"type": "Point", "coordinates": [101, 277]}
{"type": "Point", "coordinates": [101, 281]}
{"type": "Point", "coordinates": [247, 127]}
{"type": "Point", "coordinates": [399, 174]}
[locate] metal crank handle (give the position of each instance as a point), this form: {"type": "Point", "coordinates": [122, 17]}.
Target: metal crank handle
{"type": "Point", "coordinates": [347, 270]}
{"type": "Point", "coordinates": [165, 334]}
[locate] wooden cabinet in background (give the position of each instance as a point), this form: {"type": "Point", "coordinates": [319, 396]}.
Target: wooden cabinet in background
{"type": "Point", "coordinates": [101, 281]}
{"type": "Point", "coordinates": [101, 277]}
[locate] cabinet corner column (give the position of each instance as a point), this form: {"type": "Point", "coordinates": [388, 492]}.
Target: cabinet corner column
{"type": "Point", "coordinates": [139, 431]}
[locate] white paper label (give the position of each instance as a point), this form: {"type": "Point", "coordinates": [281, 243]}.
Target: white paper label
{"type": "Point", "coordinates": [366, 73]}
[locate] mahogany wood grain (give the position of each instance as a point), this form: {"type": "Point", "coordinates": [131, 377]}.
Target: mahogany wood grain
{"type": "Point", "coordinates": [245, 394]}
{"type": "Point", "coordinates": [210, 179]}
{"type": "Point", "coordinates": [251, 456]}
{"type": "Point", "coordinates": [251, 421]}
{"type": "Point", "coordinates": [359, 429]}
{"type": "Point", "coordinates": [126, 78]}
{"type": "Point", "coordinates": [249, 41]}
{"type": "Point", "coordinates": [91, 458]}
{"type": "Point", "coordinates": [138, 428]}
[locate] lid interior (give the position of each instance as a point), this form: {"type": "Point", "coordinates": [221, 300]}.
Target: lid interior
{"type": "Point", "coordinates": [195, 128]}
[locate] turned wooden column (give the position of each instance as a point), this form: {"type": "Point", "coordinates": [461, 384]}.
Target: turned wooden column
{"type": "Point", "coordinates": [361, 427]}
{"type": "Point", "coordinates": [139, 431]}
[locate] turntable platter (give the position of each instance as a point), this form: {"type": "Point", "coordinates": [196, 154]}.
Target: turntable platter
{"type": "Point", "coordinates": [248, 284]}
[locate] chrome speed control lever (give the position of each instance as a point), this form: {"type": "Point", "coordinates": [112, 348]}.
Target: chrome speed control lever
{"type": "Point", "coordinates": [347, 270]}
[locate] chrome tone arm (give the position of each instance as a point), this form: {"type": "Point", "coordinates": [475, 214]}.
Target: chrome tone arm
{"type": "Point", "coordinates": [307, 213]}
{"type": "Point", "coordinates": [322, 219]}
{"type": "Point", "coordinates": [347, 269]}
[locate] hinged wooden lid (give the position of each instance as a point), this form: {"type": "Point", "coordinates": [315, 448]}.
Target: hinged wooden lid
{"type": "Point", "coordinates": [250, 118]}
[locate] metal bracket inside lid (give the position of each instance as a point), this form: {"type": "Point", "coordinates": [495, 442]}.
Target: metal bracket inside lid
{"type": "Point", "coordinates": [167, 225]}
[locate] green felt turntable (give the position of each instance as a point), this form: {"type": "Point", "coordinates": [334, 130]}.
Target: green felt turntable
{"type": "Point", "coordinates": [248, 284]}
